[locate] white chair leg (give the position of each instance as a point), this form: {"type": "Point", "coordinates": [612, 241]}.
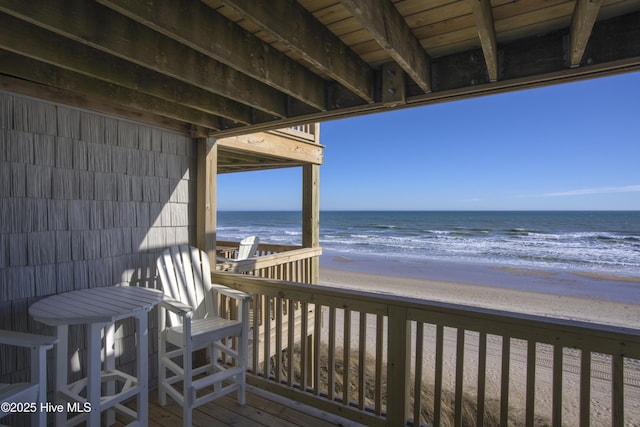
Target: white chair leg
{"type": "Point", "coordinates": [39, 373]}
{"type": "Point", "coordinates": [243, 353]}
{"type": "Point", "coordinates": [188, 394]}
{"type": "Point", "coordinates": [162, 371]}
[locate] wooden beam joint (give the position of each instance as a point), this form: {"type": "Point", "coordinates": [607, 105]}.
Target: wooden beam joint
{"type": "Point", "coordinates": [394, 91]}
{"type": "Point", "coordinates": [483, 15]}
{"type": "Point", "coordinates": [584, 17]}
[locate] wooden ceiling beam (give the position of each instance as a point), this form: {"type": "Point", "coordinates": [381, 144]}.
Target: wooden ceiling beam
{"type": "Point", "coordinates": [56, 50]}
{"type": "Point", "coordinates": [389, 29]}
{"type": "Point", "coordinates": [15, 65]}
{"type": "Point", "coordinates": [584, 16]}
{"type": "Point", "coordinates": [483, 15]}
{"type": "Point", "coordinates": [128, 40]}
{"type": "Point", "coordinates": [64, 97]}
{"type": "Point", "coordinates": [309, 39]}
{"type": "Point", "coordinates": [198, 26]}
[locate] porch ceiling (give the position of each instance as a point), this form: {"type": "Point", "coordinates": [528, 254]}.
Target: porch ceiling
{"type": "Point", "coordinates": [230, 67]}
{"type": "Point", "coordinates": [230, 160]}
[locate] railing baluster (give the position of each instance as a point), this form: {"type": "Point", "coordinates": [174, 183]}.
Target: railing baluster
{"type": "Point", "coordinates": [346, 357]}
{"type": "Point", "coordinates": [332, 354]}
{"type": "Point", "coordinates": [362, 360]}
{"type": "Point", "coordinates": [437, 392]}
{"type": "Point", "coordinates": [618, 390]}
{"type": "Point", "coordinates": [317, 335]}
{"type": "Point", "coordinates": [379, 365]}
{"type": "Point", "coordinates": [556, 415]}
{"type": "Point", "coordinates": [585, 388]}
{"type": "Point", "coordinates": [304, 347]}
{"type": "Point", "coordinates": [278, 333]}
{"type": "Point", "coordinates": [267, 337]}
{"type": "Point", "coordinates": [459, 376]}
{"type": "Point", "coordinates": [417, 395]}
{"type": "Point", "coordinates": [257, 301]}
{"type": "Point", "coordinates": [504, 383]}
{"type": "Point", "coordinates": [290, 342]}
{"type": "Point", "coordinates": [531, 383]}
{"type": "Point", "coordinates": [482, 375]}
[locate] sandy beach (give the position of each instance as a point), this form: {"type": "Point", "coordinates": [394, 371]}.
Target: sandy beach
{"type": "Point", "coordinates": [582, 296]}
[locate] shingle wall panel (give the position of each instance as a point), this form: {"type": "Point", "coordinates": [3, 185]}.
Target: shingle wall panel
{"type": "Point", "coordinates": [68, 121]}
{"type": "Point", "coordinates": [20, 282]}
{"type": "Point", "coordinates": [57, 214]}
{"type": "Point", "coordinates": [4, 253]}
{"type": "Point", "coordinates": [79, 214]}
{"type": "Point", "coordinates": [80, 150]}
{"type": "Point", "coordinates": [41, 248]}
{"type": "Point", "coordinates": [86, 185]}
{"type": "Point", "coordinates": [38, 181]}
{"type": "Point", "coordinates": [45, 150]}
{"type": "Point", "coordinates": [99, 157]}
{"type": "Point", "coordinates": [18, 255]}
{"type": "Point", "coordinates": [64, 277]}
{"type": "Point", "coordinates": [6, 111]}
{"type": "Point", "coordinates": [45, 279]}
{"type": "Point", "coordinates": [92, 127]}
{"type": "Point", "coordinates": [18, 179]}
{"type": "Point", "coordinates": [35, 217]}
{"type": "Point", "coordinates": [63, 246]}
{"type": "Point", "coordinates": [65, 153]}
{"type": "Point", "coordinates": [86, 200]}
{"type": "Point", "coordinates": [120, 159]}
{"type": "Point", "coordinates": [128, 135]}
{"type": "Point", "coordinates": [64, 184]}
{"type": "Point", "coordinates": [32, 116]}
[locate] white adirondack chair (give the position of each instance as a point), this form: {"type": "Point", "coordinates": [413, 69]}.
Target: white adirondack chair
{"type": "Point", "coordinates": [34, 391]}
{"type": "Point", "coordinates": [247, 249]}
{"type": "Point", "coordinates": [193, 323]}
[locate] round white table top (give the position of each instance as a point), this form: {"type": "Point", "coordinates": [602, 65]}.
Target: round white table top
{"type": "Point", "coordinates": [94, 305]}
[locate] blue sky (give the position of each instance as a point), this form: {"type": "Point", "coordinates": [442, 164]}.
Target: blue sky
{"type": "Point", "coordinates": [569, 146]}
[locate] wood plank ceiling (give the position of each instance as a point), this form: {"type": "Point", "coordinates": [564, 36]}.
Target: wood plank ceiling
{"type": "Point", "coordinates": [230, 67]}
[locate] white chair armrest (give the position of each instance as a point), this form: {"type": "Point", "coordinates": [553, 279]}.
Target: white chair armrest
{"type": "Point", "coordinates": [22, 339]}
{"type": "Point", "coordinates": [176, 306]}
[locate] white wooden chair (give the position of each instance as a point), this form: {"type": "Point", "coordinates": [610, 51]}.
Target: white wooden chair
{"type": "Point", "coordinates": [35, 391]}
{"type": "Point", "coordinates": [238, 264]}
{"type": "Point", "coordinates": [248, 247]}
{"type": "Point", "coordinates": [193, 324]}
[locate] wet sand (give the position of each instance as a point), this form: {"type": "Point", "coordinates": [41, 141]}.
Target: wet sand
{"type": "Point", "coordinates": [583, 296]}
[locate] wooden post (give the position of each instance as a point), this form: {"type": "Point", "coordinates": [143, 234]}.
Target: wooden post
{"type": "Point", "coordinates": [207, 169]}
{"type": "Point", "coordinates": [398, 362]}
{"type": "Point", "coordinates": [311, 214]}
{"type": "Point", "coordinates": [310, 239]}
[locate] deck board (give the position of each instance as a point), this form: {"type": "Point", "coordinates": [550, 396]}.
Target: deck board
{"type": "Point", "coordinates": [262, 409]}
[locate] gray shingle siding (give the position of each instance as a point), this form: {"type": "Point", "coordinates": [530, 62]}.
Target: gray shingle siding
{"type": "Point", "coordinates": [86, 200]}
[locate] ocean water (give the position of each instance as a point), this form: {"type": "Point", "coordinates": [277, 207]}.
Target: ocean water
{"type": "Point", "coordinates": [596, 242]}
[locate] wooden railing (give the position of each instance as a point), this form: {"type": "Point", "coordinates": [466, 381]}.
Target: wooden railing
{"type": "Point", "coordinates": [281, 262]}
{"type": "Point", "coordinates": [307, 132]}
{"type": "Point", "coordinates": [365, 354]}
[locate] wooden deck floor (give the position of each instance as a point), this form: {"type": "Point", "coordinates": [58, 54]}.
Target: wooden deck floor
{"type": "Point", "coordinates": [262, 409]}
